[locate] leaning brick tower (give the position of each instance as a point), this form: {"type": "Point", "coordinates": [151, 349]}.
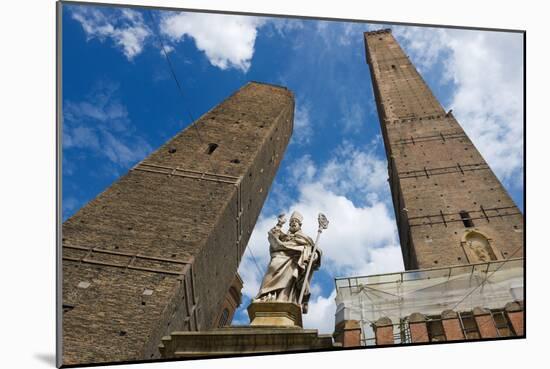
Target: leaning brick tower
{"type": "Point", "coordinates": [461, 234]}
{"type": "Point", "coordinates": [158, 251]}
{"type": "Point", "coordinates": [449, 205]}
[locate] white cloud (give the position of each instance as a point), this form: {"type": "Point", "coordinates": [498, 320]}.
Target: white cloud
{"type": "Point", "coordinates": [69, 205]}
{"type": "Point", "coordinates": [300, 170]}
{"type": "Point", "coordinates": [303, 130]}
{"type": "Point", "coordinates": [101, 124]}
{"type": "Point", "coordinates": [339, 33]}
{"type": "Point", "coordinates": [124, 153]}
{"type": "Point", "coordinates": [361, 238]}
{"type": "Point", "coordinates": [286, 26]}
{"type": "Point", "coordinates": [227, 40]}
{"type": "Point", "coordinates": [125, 27]}
{"type": "Point", "coordinates": [80, 136]}
{"type": "Point", "coordinates": [351, 33]}
{"type": "Point", "coordinates": [353, 233]}
{"type": "Point", "coordinates": [353, 116]}
{"type": "Point", "coordinates": [321, 313]}
{"type": "Point", "coordinates": [425, 45]}
{"type": "Point", "coordinates": [486, 70]}
{"type": "Point", "coordinates": [352, 172]}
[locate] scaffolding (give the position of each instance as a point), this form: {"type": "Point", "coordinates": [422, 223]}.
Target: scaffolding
{"type": "Point", "coordinates": [490, 285]}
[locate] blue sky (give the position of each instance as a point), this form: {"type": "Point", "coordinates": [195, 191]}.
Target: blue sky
{"type": "Point", "coordinates": [120, 103]}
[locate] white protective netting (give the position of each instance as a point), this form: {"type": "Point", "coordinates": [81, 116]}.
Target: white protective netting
{"type": "Point", "coordinates": [430, 291]}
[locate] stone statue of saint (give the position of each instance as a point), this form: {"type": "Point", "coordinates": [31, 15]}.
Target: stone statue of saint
{"type": "Point", "coordinates": [290, 254]}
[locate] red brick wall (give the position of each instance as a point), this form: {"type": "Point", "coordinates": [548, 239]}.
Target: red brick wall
{"type": "Point", "coordinates": [384, 331]}
{"type": "Point", "coordinates": [418, 327]}
{"type": "Point", "coordinates": [384, 335]}
{"type": "Point", "coordinates": [451, 325]}
{"type": "Point", "coordinates": [485, 323]}
{"type": "Point", "coordinates": [452, 329]}
{"type": "Point", "coordinates": [348, 333]}
{"type": "Point", "coordinates": [419, 332]}
{"type": "Point", "coordinates": [486, 326]}
{"type": "Point", "coordinates": [516, 318]}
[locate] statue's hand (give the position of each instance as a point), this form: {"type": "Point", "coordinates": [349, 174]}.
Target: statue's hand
{"type": "Point", "coordinates": [281, 220]}
{"type": "Point", "coordinates": [284, 237]}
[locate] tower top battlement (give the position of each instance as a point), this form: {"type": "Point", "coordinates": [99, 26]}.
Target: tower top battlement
{"type": "Point", "coordinates": [378, 32]}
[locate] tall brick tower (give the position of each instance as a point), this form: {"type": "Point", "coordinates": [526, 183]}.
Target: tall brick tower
{"type": "Point", "coordinates": [450, 207]}
{"type": "Point", "coordinates": [159, 250]}
{"type": "Point", "coordinates": [461, 234]}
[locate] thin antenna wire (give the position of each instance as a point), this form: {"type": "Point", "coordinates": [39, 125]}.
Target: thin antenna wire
{"type": "Point", "coordinates": [249, 248]}
{"type": "Point", "coordinates": [193, 123]}
{"type": "Point", "coordinates": [174, 76]}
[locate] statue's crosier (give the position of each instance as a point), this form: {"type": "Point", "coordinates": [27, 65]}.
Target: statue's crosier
{"type": "Point", "coordinates": [293, 256]}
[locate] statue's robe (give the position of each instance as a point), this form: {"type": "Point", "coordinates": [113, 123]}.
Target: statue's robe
{"type": "Point", "coordinates": [286, 270]}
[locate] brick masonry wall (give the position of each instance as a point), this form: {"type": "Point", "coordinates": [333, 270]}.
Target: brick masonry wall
{"type": "Point", "coordinates": [517, 320]}
{"type": "Point", "coordinates": [231, 302]}
{"type": "Point", "coordinates": [348, 333]}
{"type": "Point", "coordinates": [189, 233]}
{"type": "Point", "coordinates": [515, 312]}
{"type": "Point", "coordinates": [434, 169]}
{"type": "Point", "coordinates": [486, 326]}
{"type": "Point", "coordinates": [383, 331]}
{"type": "Point", "coordinates": [419, 332]}
{"type": "Point", "coordinates": [452, 328]}
{"type": "Point", "coordinates": [384, 335]}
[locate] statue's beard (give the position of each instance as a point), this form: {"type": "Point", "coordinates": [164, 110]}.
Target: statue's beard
{"type": "Point", "coordinates": [293, 230]}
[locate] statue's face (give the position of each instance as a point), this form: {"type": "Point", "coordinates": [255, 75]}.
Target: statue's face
{"type": "Point", "coordinates": [294, 225]}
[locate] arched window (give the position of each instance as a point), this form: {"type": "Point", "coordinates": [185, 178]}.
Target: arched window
{"type": "Point", "coordinates": [223, 318]}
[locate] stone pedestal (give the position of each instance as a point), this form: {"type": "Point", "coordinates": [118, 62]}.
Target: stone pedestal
{"type": "Point", "coordinates": [242, 340]}
{"type": "Point", "coordinates": [279, 314]}
{"type": "Point", "coordinates": [275, 327]}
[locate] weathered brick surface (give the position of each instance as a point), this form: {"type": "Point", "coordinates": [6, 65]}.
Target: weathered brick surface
{"type": "Point", "coordinates": [418, 328]}
{"type": "Point", "coordinates": [486, 326]}
{"type": "Point", "coordinates": [231, 302]}
{"type": "Point", "coordinates": [514, 310]}
{"type": "Point", "coordinates": [452, 328]}
{"type": "Point", "coordinates": [485, 323]}
{"type": "Point", "coordinates": [517, 320]}
{"type": "Point", "coordinates": [383, 331]}
{"type": "Point", "coordinates": [419, 332]}
{"type": "Point", "coordinates": [348, 333]}
{"type": "Point", "coordinates": [384, 335]}
{"type": "Point", "coordinates": [435, 171]}
{"type": "Point", "coordinates": [190, 232]}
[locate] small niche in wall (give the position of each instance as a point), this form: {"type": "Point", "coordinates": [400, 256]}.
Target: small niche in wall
{"type": "Point", "coordinates": [479, 248]}
{"type": "Point", "coordinates": [211, 148]}
{"type": "Point", "coordinates": [466, 219]}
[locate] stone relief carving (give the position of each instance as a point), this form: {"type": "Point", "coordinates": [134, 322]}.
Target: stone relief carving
{"type": "Point", "coordinates": [478, 247]}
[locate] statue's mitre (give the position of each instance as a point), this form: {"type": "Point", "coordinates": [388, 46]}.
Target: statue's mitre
{"type": "Point", "coordinates": [297, 215]}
